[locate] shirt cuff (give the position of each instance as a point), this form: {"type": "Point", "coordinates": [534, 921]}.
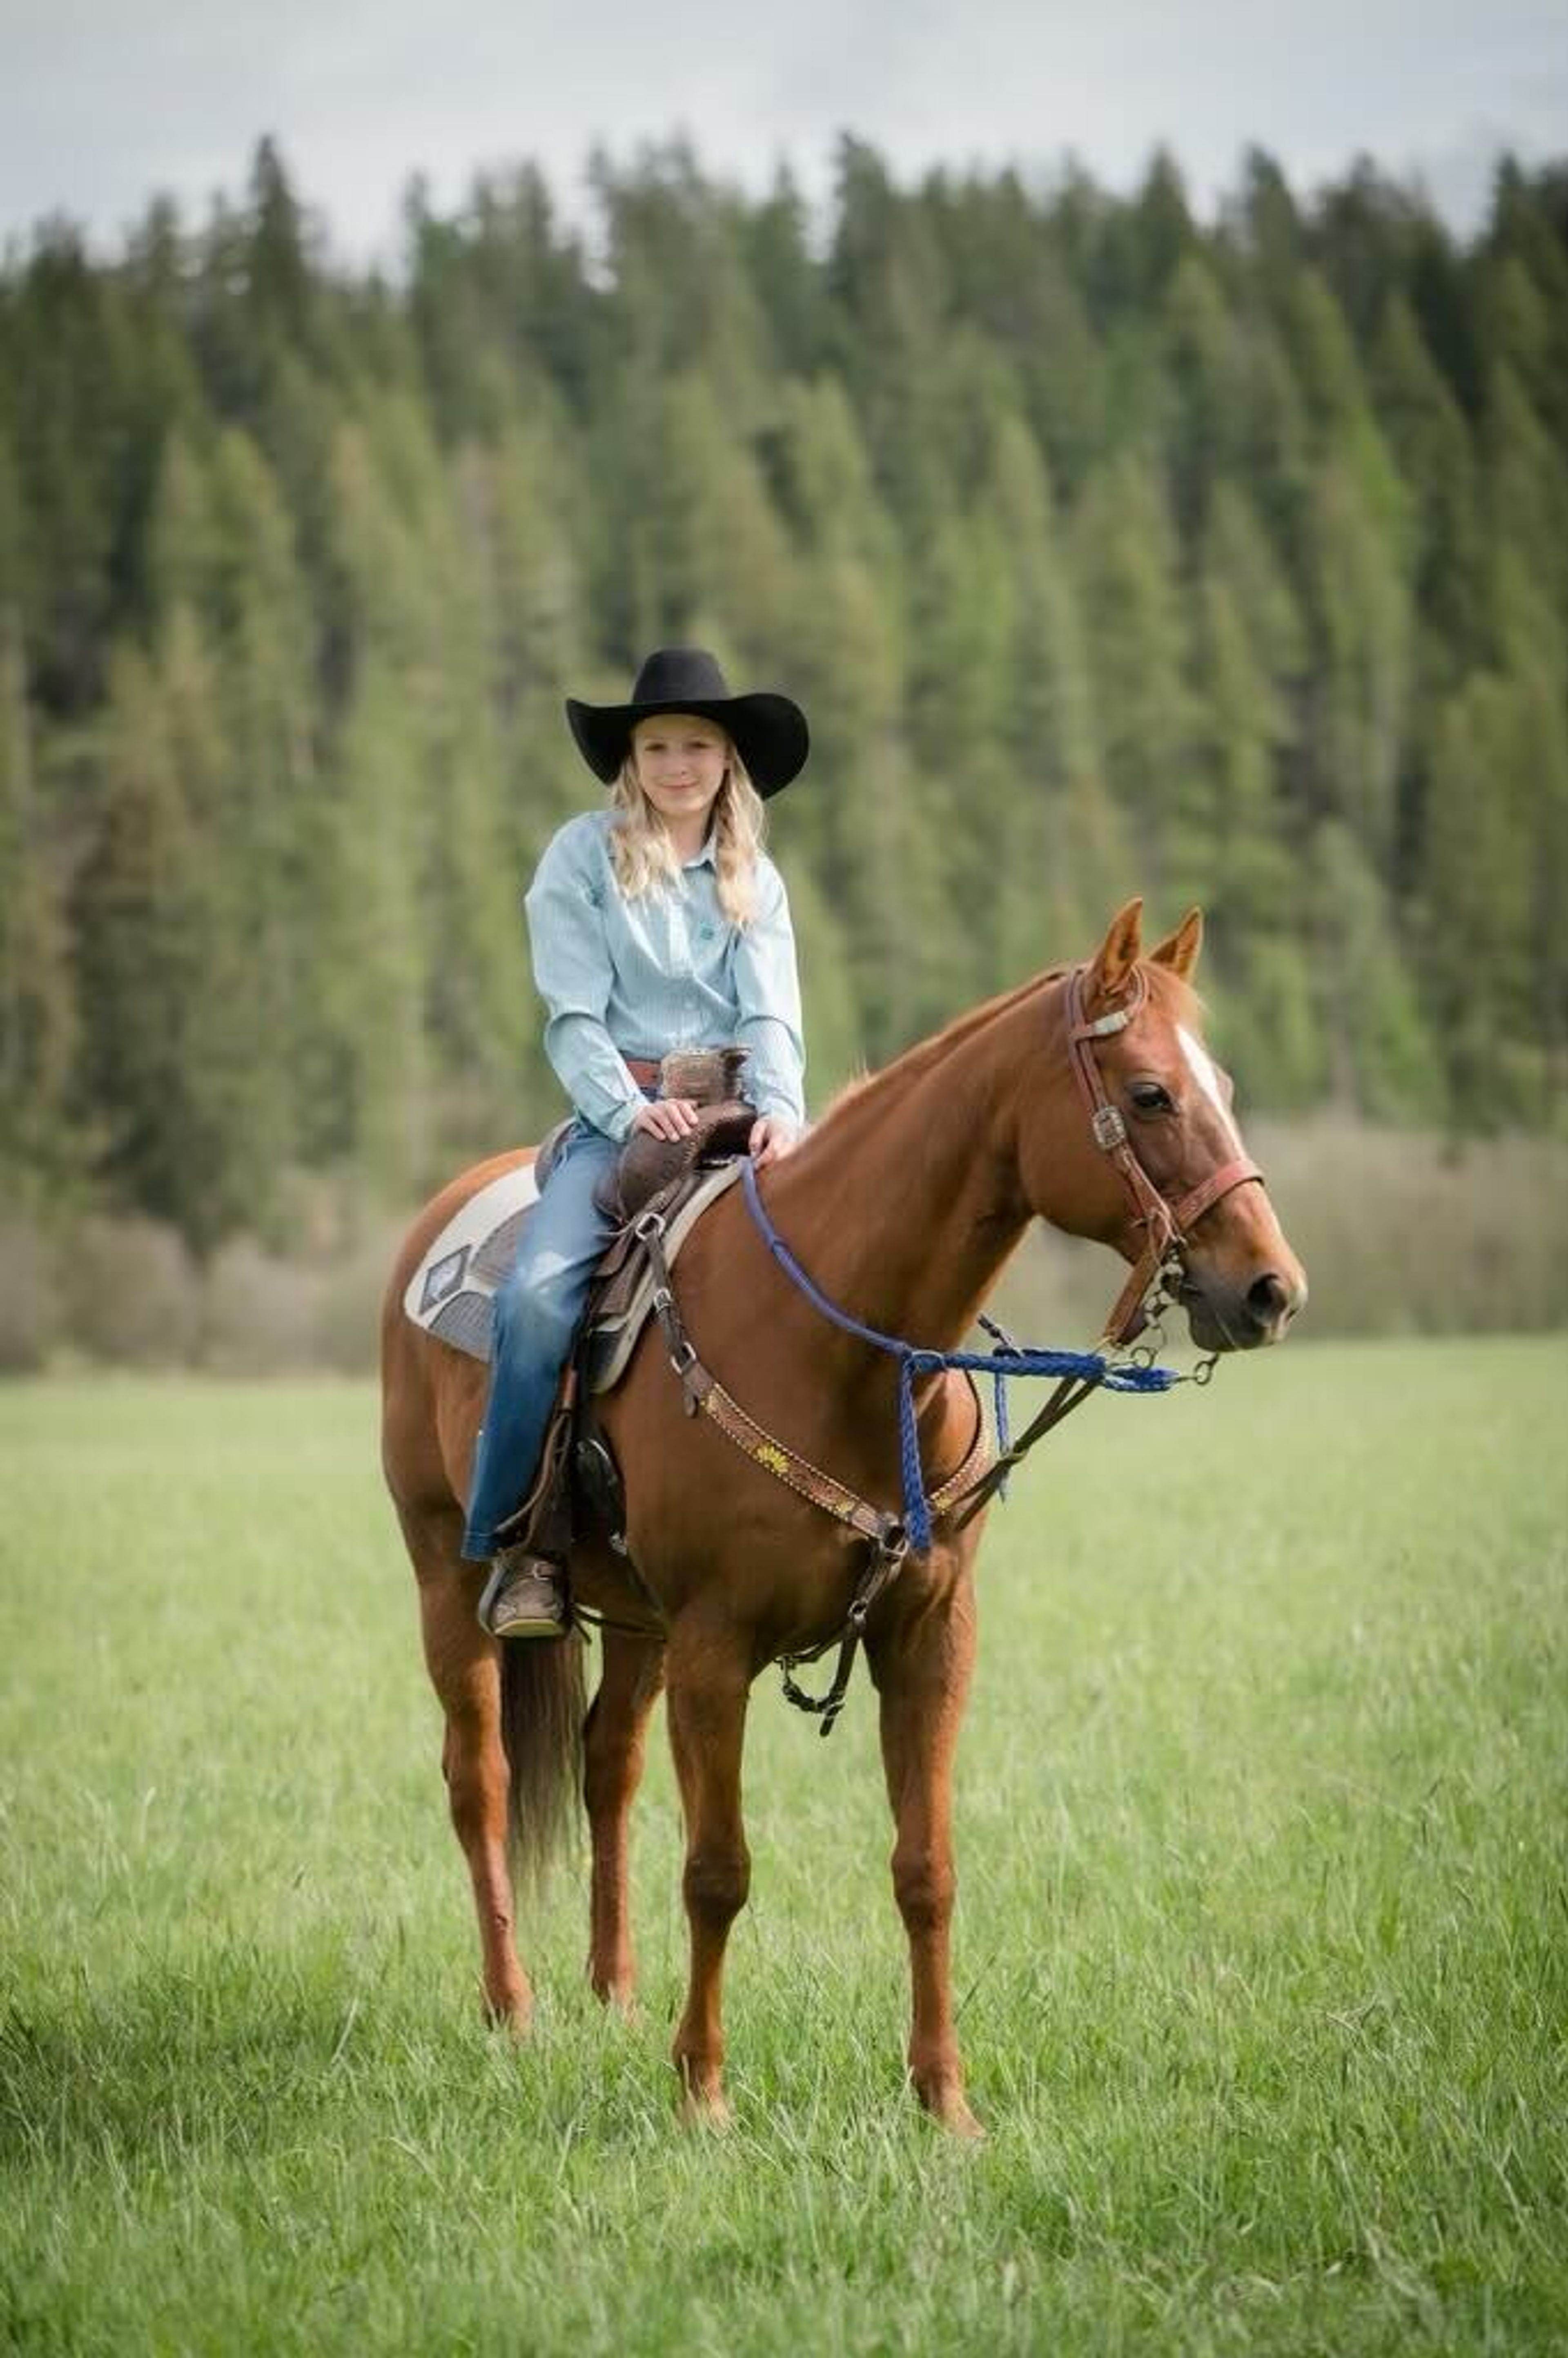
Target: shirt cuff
{"type": "Point", "coordinates": [617, 1123]}
{"type": "Point", "coordinates": [772, 1096]}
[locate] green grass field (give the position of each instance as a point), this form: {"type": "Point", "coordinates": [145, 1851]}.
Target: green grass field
{"type": "Point", "coordinates": [1262, 1939]}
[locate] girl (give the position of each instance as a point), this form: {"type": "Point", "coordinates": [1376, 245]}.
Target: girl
{"type": "Point", "coordinates": [655, 925]}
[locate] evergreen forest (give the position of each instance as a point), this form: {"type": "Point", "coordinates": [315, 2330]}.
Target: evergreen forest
{"type": "Point", "coordinates": [1110, 549]}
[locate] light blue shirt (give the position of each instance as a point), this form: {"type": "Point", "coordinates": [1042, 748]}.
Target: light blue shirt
{"type": "Point", "coordinates": [666, 971]}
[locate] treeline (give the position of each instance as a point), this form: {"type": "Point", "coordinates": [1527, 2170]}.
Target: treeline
{"type": "Point", "coordinates": [1109, 550]}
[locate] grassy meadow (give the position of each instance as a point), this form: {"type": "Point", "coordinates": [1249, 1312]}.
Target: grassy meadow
{"type": "Point", "coordinates": [1262, 1941]}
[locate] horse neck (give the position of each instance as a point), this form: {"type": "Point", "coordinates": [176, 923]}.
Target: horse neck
{"type": "Point", "coordinates": [905, 1203]}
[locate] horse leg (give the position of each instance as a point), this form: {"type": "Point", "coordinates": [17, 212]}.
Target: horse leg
{"type": "Point", "coordinates": [923, 1676]}
{"type": "Point", "coordinates": [709, 1685]}
{"type": "Point", "coordinates": [465, 1670]}
{"type": "Point", "coordinates": [613, 1770]}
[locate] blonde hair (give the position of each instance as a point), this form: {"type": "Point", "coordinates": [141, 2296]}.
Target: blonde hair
{"type": "Point", "coordinates": [644, 857]}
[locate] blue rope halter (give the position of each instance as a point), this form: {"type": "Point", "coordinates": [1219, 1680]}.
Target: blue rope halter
{"type": "Point", "coordinates": [1005, 1360]}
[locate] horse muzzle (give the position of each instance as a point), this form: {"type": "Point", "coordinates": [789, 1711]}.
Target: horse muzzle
{"type": "Point", "coordinates": [1232, 1316]}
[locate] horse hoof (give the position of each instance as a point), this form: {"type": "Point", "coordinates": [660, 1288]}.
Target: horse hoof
{"type": "Point", "coordinates": [949, 2109]}
{"type": "Point", "coordinates": [619, 1998]}
{"type": "Point", "coordinates": [515, 2016]}
{"type": "Point", "coordinates": [709, 2112]}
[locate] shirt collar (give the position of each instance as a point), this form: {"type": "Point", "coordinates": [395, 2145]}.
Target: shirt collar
{"type": "Point", "coordinates": [707, 857]}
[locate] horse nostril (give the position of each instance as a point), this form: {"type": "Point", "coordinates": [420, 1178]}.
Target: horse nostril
{"type": "Point", "coordinates": [1269, 1299]}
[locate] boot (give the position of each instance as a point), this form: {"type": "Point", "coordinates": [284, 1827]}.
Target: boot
{"type": "Point", "coordinates": [523, 1597]}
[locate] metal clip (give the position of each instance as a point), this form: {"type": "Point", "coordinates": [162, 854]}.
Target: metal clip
{"type": "Point", "coordinates": [1110, 1130]}
{"type": "Point", "coordinates": [1204, 1372]}
{"type": "Point", "coordinates": [892, 1548]}
{"type": "Point", "coordinates": [648, 1225]}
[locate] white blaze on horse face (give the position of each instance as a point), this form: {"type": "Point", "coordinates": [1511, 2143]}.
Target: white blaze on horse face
{"type": "Point", "coordinates": [1201, 1067]}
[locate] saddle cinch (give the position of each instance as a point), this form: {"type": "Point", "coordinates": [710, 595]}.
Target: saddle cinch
{"type": "Point", "coordinates": [578, 1483]}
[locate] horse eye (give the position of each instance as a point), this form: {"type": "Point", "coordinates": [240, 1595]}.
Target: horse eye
{"type": "Point", "coordinates": [1151, 1097]}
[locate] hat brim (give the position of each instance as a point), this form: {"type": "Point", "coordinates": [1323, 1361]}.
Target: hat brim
{"type": "Point", "coordinates": [769, 732]}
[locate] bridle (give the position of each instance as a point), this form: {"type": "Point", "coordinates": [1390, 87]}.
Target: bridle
{"type": "Point", "coordinates": [1159, 1270]}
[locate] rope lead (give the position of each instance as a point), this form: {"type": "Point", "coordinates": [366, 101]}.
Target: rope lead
{"type": "Point", "coordinates": [1002, 1363]}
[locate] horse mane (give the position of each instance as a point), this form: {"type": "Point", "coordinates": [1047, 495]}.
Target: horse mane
{"type": "Point", "coordinates": [1175, 997]}
{"type": "Point", "coordinates": [914, 1062]}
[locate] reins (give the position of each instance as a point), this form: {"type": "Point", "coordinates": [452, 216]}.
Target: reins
{"type": "Point", "coordinates": [1151, 1287]}
{"type": "Point", "coordinates": [1091, 1368]}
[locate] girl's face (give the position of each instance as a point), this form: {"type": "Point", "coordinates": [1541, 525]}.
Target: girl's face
{"type": "Point", "coordinates": [681, 761]}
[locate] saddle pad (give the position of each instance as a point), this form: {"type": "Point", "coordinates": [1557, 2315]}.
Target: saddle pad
{"type": "Point", "coordinates": [449, 1293]}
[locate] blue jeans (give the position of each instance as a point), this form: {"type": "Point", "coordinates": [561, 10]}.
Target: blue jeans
{"type": "Point", "coordinates": [534, 1315]}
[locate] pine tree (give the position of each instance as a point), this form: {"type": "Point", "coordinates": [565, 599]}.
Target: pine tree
{"type": "Point", "coordinates": [1270, 222]}
{"type": "Point", "coordinates": [722, 550]}
{"type": "Point", "coordinates": [1045, 706]}
{"type": "Point", "coordinates": [1427, 433]}
{"type": "Point", "coordinates": [375, 974]}
{"type": "Point", "coordinates": [1478, 895]}
{"type": "Point", "coordinates": [1132, 610]}
{"type": "Point", "coordinates": [889, 302]}
{"type": "Point", "coordinates": [1523, 291]}
{"type": "Point", "coordinates": [39, 1143]}
{"type": "Point", "coordinates": [168, 1065]}
{"type": "Point", "coordinates": [1526, 480]}
{"type": "Point", "coordinates": [1381, 1056]}
{"type": "Point", "coordinates": [61, 417]}
{"type": "Point", "coordinates": [1202, 364]}
{"type": "Point", "coordinates": [776, 238]}
{"type": "Point", "coordinates": [1358, 711]}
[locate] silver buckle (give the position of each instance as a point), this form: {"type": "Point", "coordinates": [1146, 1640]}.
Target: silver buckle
{"type": "Point", "coordinates": [1110, 1130]}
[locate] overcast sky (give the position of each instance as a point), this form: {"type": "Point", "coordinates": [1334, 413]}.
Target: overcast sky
{"type": "Point", "coordinates": [103, 103]}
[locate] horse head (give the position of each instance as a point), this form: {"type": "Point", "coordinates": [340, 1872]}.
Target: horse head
{"type": "Point", "coordinates": [1156, 1167]}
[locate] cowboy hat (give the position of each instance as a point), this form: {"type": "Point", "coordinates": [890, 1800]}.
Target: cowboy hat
{"type": "Point", "coordinates": [769, 732]}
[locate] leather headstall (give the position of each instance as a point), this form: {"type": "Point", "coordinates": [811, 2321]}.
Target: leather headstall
{"type": "Point", "coordinates": [1166, 1224]}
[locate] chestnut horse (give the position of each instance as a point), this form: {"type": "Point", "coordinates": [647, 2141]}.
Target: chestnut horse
{"type": "Point", "coordinates": [903, 1205]}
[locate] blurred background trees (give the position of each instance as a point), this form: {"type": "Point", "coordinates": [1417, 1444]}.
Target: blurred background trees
{"type": "Point", "coordinates": [1109, 550]}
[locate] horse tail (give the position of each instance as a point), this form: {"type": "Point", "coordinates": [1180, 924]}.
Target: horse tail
{"type": "Point", "coordinates": [543, 1706]}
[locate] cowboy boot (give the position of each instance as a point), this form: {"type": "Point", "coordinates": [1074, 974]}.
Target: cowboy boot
{"type": "Point", "coordinates": [525, 1594]}
{"type": "Point", "coordinates": [523, 1597]}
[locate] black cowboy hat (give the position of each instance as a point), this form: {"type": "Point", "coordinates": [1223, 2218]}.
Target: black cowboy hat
{"type": "Point", "coordinates": [769, 732]}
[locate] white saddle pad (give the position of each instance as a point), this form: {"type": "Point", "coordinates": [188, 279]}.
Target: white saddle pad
{"type": "Point", "coordinates": [449, 1293]}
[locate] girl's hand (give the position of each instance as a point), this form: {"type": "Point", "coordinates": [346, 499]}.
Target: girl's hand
{"type": "Point", "coordinates": [771, 1138]}
{"type": "Point", "coordinates": [668, 1117]}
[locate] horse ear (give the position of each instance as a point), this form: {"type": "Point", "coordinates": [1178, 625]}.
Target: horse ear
{"type": "Point", "coordinates": [1180, 952]}
{"type": "Point", "coordinates": [1117, 956]}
